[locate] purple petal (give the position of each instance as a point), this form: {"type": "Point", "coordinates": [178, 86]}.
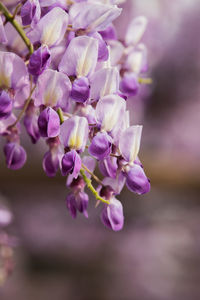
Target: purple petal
{"type": "Point", "coordinates": [15, 156]}
{"type": "Point", "coordinates": [5, 105]}
{"type": "Point", "coordinates": [100, 146]}
{"type": "Point", "coordinates": [109, 166]}
{"type": "Point", "coordinates": [116, 184]}
{"type": "Point", "coordinates": [31, 125]}
{"type": "Point", "coordinates": [49, 123]}
{"type": "Point", "coordinates": [135, 30]}
{"type": "Point", "coordinates": [30, 12]}
{"type": "Point", "coordinates": [109, 33]}
{"type": "Point", "coordinates": [80, 90]}
{"type": "Point", "coordinates": [103, 52]}
{"type": "Point", "coordinates": [80, 57]}
{"type": "Point", "coordinates": [71, 163]}
{"type": "Point", "coordinates": [50, 163]}
{"type": "Point", "coordinates": [39, 61]}
{"type": "Point", "coordinates": [71, 205]}
{"type": "Point", "coordinates": [137, 181]}
{"type": "Point", "coordinates": [90, 163]}
{"type": "Point", "coordinates": [82, 200]}
{"type": "Point", "coordinates": [129, 84]}
{"type": "Point", "coordinates": [112, 215]}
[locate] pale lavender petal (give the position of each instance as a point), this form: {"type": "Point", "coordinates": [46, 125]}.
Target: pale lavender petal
{"type": "Point", "coordinates": [4, 124]}
{"type": "Point", "coordinates": [137, 181]}
{"type": "Point", "coordinates": [109, 166]}
{"type": "Point", "coordinates": [52, 89]}
{"type": "Point", "coordinates": [103, 52]}
{"type": "Point", "coordinates": [90, 163]}
{"type": "Point", "coordinates": [82, 200]}
{"type": "Point", "coordinates": [31, 125]}
{"type": "Point", "coordinates": [109, 33]}
{"type": "Point", "coordinates": [80, 57]}
{"type": "Point", "coordinates": [93, 16]}
{"type": "Point", "coordinates": [109, 110]}
{"type": "Point", "coordinates": [129, 143]}
{"type": "Point", "coordinates": [74, 133]}
{"type": "Point", "coordinates": [135, 30]}
{"type": "Point", "coordinates": [51, 28]}
{"type": "Point", "coordinates": [137, 60]}
{"type": "Point", "coordinates": [116, 184]}
{"type": "Point", "coordinates": [100, 146]}
{"type": "Point", "coordinates": [104, 82]}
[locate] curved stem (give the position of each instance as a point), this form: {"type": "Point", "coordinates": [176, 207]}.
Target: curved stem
{"type": "Point", "coordinates": [91, 188]}
{"type": "Point", "coordinates": [93, 175]}
{"type": "Point", "coordinates": [11, 18]}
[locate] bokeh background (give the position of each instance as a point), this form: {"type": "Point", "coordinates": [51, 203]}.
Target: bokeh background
{"type": "Point", "coordinates": [157, 254]}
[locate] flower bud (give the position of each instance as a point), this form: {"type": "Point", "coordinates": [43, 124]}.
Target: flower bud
{"type": "Point", "coordinates": [100, 146]}
{"type": "Point", "coordinates": [39, 61]}
{"type": "Point", "coordinates": [15, 156]}
{"type": "Point", "coordinates": [71, 163]}
{"type": "Point", "coordinates": [112, 215]}
{"type": "Point", "coordinates": [77, 202]}
{"type": "Point", "coordinates": [30, 12]}
{"type": "Point", "coordinates": [129, 85]}
{"type": "Point", "coordinates": [50, 163]}
{"type": "Point", "coordinates": [80, 90]}
{"type": "Point", "coordinates": [5, 105]}
{"type": "Point", "coordinates": [49, 123]}
{"type": "Point", "coordinates": [137, 181]}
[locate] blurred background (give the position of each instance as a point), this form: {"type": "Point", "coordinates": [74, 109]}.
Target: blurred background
{"type": "Point", "coordinates": [157, 254]}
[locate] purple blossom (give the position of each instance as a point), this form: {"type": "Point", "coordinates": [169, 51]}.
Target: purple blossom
{"type": "Point", "coordinates": [100, 146]}
{"type": "Point", "coordinates": [112, 215]}
{"type": "Point", "coordinates": [5, 105]}
{"type": "Point", "coordinates": [77, 202]}
{"type": "Point", "coordinates": [137, 181]}
{"type": "Point", "coordinates": [49, 123]}
{"type": "Point", "coordinates": [15, 156]}
{"type": "Point", "coordinates": [71, 163]}
{"type": "Point", "coordinates": [30, 12]}
{"type": "Point", "coordinates": [80, 90]}
{"type": "Point", "coordinates": [39, 61]}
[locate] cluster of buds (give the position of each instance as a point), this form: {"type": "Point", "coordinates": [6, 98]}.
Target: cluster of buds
{"type": "Point", "coordinates": [64, 69]}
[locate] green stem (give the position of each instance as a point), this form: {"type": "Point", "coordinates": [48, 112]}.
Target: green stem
{"type": "Point", "coordinates": [60, 113]}
{"type": "Point", "coordinates": [91, 188]}
{"type": "Point", "coordinates": [11, 18]}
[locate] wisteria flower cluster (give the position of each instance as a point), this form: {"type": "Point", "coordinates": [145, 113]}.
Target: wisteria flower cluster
{"type": "Point", "coordinates": [65, 75]}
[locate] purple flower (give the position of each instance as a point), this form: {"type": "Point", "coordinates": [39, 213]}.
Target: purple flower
{"type": "Point", "coordinates": [30, 12]}
{"type": "Point", "coordinates": [80, 90]}
{"type": "Point", "coordinates": [129, 143]}
{"type": "Point", "coordinates": [51, 163]}
{"type": "Point", "coordinates": [77, 202]}
{"type": "Point", "coordinates": [31, 125]}
{"type": "Point", "coordinates": [39, 61]}
{"type": "Point", "coordinates": [112, 215]}
{"type": "Point", "coordinates": [15, 156]}
{"type": "Point", "coordinates": [103, 52]}
{"type": "Point", "coordinates": [74, 133]}
{"type": "Point", "coordinates": [129, 84]}
{"type": "Point", "coordinates": [80, 57]}
{"type": "Point", "coordinates": [5, 105]}
{"type": "Point", "coordinates": [49, 123]}
{"type": "Point", "coordinates": [104, 82]}
{"type": "Point", "coordinates": [100, 146]}
{"type": "Point", "coordinates": [109, 111]}
{"type": "Point", "coordinates": [109, 166]}
{"type": "Point", "coordinates": [52, 89]}
{"type": "Point", "coordinates": [51, 28]}
{"type": "Point", "coordinates": [93, 16]}
{"type": "Point", "coordinates": [137, 181]}
{"type": "Point", "coordinates": [109, 33]}
{"type": "Point", "coordinates": [71, 163]}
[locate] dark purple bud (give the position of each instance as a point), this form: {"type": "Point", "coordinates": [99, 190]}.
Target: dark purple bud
{"type": "Point", "coordinates": [109, 33]}
{"type": "Point", "coordinates": [15, 156]}
{"type": "Point", "coordinates": [71, 163]}
{"type": "Point", "coordinates": [49, 123]}
{"type": "Point", "coordinates": [112, 215]}
{"type": "Point", "coordinates": [31, 125]}
{"type": "Point", "coordinates": [129, 85]}
{"type": "Point", "coordinates": [39, 61]}
{"type": "Point", "coordinates": [5, 105]}
{"type": "Point", "coordinates": [82, 200]}
{"type": "Point", "coordinates": [101, 145]}
{"type": "Point", "coordinates": [109, 166]}
{"type": "Point", "coordinates": [137, 181]}
{"type": "Point", "coordinates": [30, 12]}
{"type": "Point", "coordinates": [80, 90]}
{"type": "Point", "coordinates": [71, 205]}
{"type": "Point", "coordinates": [50, 163]}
